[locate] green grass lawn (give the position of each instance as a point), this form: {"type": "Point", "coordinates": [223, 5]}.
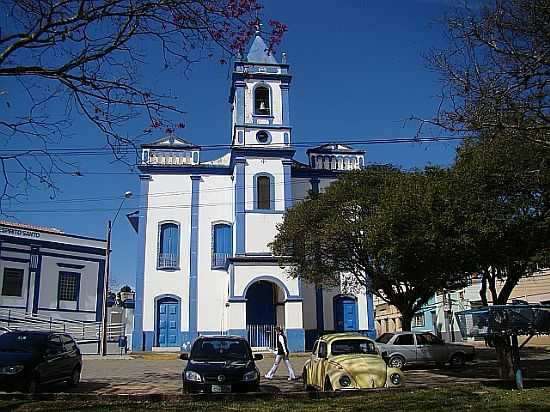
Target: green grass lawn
{"type": "Point", "coordinates": [463, 398]}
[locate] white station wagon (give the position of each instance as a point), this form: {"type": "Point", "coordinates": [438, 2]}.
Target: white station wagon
{"type": "Point", "coordinates": [401, 348]}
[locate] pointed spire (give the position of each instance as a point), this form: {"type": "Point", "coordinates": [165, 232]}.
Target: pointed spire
{"type": "Point", "coordinates": [258, 52]}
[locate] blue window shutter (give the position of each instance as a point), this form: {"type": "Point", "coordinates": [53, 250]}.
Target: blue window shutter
{"type": "Point", "coordinates": [222, 239]}
{"type": "Point", "coordinates": [169, 243]}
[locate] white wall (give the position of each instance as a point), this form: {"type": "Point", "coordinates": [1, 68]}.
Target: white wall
{"type": "Point", "coordinates": [169, 200]}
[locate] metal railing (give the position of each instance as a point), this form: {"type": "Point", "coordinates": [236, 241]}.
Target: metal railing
{"type": "Point", "coordinates": [262, 336]}
{"type": "Point", "coordinates": [80, 330]}
{"type": "Point", "coordinates": [219, 259]}
{"type": "Point", "coordinates": [167, 261]}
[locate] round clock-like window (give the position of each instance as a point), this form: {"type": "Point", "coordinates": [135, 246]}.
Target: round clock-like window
{"type": "Point", "coordinates": [262, 137]}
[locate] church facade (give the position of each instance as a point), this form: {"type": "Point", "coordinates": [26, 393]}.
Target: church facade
{"type": "Point", "coordinates": [204, 265]}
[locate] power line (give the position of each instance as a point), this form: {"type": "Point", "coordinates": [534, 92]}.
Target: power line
{"type": "Point", "coordinates": [100, 151]}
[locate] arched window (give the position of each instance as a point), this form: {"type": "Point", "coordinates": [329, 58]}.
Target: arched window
{"type": "Point", "coordinates": [168, 250]}
{"type": "Point", "coordinates": [222, 244]}
{"type": "Point", "coordinates": [262, 102]}
{"type": "Point", "coordinates": [263, 192]}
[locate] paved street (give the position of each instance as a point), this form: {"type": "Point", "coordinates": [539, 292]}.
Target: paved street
{"type": "Point", "coordinates": [153, 374]}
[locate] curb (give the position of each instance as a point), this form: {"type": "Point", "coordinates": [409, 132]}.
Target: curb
{"type": "Point", "coordinates": [246, 397]}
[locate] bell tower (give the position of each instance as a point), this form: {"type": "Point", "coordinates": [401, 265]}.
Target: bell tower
{"type": "Point", "coordinates": [259, 99]}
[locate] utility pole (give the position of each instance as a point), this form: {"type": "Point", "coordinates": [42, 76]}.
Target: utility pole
{"type": "Point", "coordinates": [104, 320]}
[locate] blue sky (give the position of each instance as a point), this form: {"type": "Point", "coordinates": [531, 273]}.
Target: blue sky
{"type": "Point", "coordinates": [359, 73]}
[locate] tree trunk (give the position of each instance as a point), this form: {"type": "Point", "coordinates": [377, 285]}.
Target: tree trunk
{"type": "Point", "coordinates": [406, 321]}
{"type": "Point", "coordinates": [504, 356]}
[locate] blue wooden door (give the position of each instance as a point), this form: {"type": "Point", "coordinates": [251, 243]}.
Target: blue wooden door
{"type": "Point", "coordinates": [345, 313]}
{"type": "Point", "coordinates": [167, 324]}
{"type": "Point", "coordinates": [260, 304]}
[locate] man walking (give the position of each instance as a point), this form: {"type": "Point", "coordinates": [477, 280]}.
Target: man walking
{"type": "Point", "coordinates": [282, 354]}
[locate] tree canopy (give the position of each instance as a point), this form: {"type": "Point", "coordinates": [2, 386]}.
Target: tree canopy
{"type": "Point", "coordinates": [380, 228]}
{"type": "Point", "coordinates": [495, 71]}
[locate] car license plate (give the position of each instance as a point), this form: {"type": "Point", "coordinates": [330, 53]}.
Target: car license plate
{"type": "Point", "coordinates": [221, 388]}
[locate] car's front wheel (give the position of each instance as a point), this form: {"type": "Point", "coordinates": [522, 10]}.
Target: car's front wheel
{"type": "Point", "coordinates": [74, 380]}
{"type": "Point", "coordinates": [396, 362]}
{"type": "Point", "coordinates": [457, 360]}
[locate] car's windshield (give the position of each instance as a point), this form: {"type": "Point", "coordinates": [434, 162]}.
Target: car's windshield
{"type": "Point", "coordinates": [384, 338]}
{"type": "Point", "coordinates": [22, 342]}
{"type": "Point", "coordinates": [349, 346]}
{"type": "Point", "coordinates": [220, 350]}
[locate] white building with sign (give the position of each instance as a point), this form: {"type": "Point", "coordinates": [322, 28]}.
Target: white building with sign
{"type": "Point", "coordinates": [47, 272]}
{"type": "Point", "coordinates": [204, 265]}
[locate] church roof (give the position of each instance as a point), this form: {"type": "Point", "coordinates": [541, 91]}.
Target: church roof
{"type": "Point", "coordinates": [259, 52]}
{"type": "Point", "coordinates": [334, 148]}
{"type": "Point", "coordinates": [171, 141]}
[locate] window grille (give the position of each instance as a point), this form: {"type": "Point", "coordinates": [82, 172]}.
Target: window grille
{"type": "Point", "coordinates": [69, 284]}
{"type": "Point", "coordinates": [12, 284]}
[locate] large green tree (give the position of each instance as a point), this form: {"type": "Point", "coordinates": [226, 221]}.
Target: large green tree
{"type": "Point", "coordinates": [381, 229]}
{"type": "Point", "coordinates": [501, 200]}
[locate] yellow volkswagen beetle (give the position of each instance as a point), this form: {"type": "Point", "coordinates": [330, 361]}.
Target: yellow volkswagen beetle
{"type": "Point", "coordinates": [348, 361]}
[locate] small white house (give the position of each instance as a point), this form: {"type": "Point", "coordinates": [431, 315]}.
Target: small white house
{"type": "Point", "coordinates": [47, 272]}
{"type": "Point", "coordinates": [204, 265]}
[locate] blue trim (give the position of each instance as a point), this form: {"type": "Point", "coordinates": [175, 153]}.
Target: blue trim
{"type": "Point", "coordinates": [14, 259]}
{"type": "Point", "coordinates": [239, 206]}
{"type": "Point", "coordinates": [238, 152]}
{"type": "Point", "coordinates": [286, 138]}
{"type": "Point", "coordinates": [12, 249]}
{"type": "Point", "coordinates": [194, 258]}
{"type": "Point", "coordinates": [240, 137]}
{"type": "Point", "coordinates": [239, 102]}
{"type": "Point", "coordinates": [12, 307]}
{"type": "Point", "coordinates": [287, 183]}
{"type": "Point", "coordinates": [138, 334]}
{"type": "Point", "coordinates": [271, 190]}
{"type": "Point", "coordinates": [263, 126]}
{"type": "Point", "coordinates": [67, 310]}
{"type": "Point", "coordinates": [70, 266]}
{"type": "Point", "coordinates": [266, 211]}
{"type": "Point", "coordinates": [59, 255]}
{"type": "Point", "coordinates": [269, 278]}
{"type": "Point", "coordinates": [28, 307]}
{"type": "Point", "coordinates": [54, 245]}
{"type": "Point", "coordinates": [148, 338]}
{"type": "Point", "coordinates": [238, 332]}
{"type": "Point", "coordinates": [34, 240]}
{"type": "Point", "coordinates": [36, 291]}
{"type": "Point", "coordinates": [186, 170]}
{"type": "Point", "coordinates": [319, 310]}
{"type": "Point", "coordinates": [295, 339]}
{"type": "Point", "coordinates": [158, 301]}
{"type": "Point", "coordinates": [99, 298]}
{"type": "Point", "coordinates": [285, 103]}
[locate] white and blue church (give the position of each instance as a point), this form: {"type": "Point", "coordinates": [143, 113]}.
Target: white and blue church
{"type": "Point", "coordinates": [204, 266]}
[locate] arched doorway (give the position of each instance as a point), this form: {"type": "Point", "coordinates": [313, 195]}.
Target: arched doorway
{"type": "Point", "coordinates": [345, 313]}
{"type": "Point", "coordinates": [167, 321]}
{"type": "Point", "coordinates": [263, 313]}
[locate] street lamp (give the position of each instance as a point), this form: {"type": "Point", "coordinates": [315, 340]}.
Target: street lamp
{"type": "Point", "coordinates": [110, 224]}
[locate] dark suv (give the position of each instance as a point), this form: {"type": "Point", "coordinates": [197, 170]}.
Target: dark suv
{"type": "Point", "coordinates": [29, 359]}
{"type": "Point", "coordinates": [221, 364]}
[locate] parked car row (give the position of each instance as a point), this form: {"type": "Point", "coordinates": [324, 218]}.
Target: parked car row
{"type": "Point", "coordinates": [339, 361]}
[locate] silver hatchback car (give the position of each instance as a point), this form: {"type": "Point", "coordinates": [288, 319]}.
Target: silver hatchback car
{"type": "Point", "coordinates": [401, 348]}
